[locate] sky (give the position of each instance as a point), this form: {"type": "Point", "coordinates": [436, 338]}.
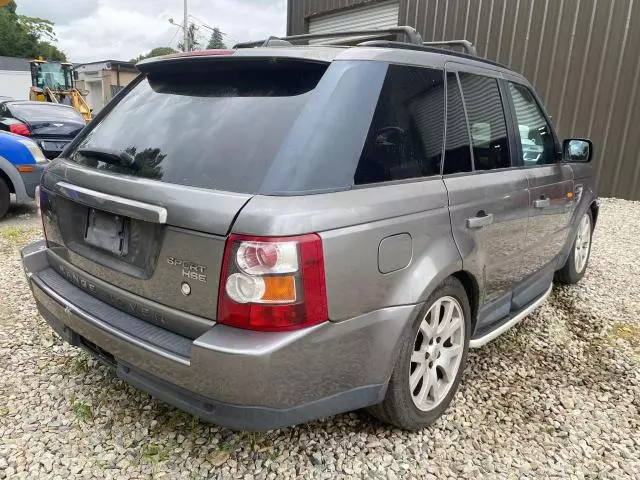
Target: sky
{"type": "Point", "coordinates": [93, 30]}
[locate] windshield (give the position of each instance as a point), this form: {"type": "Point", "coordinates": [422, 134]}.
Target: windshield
{"type": "Point", "coordinates": [44, 111]}
{"type": "Point", "coordinates": [52, 75]}
{"type": "Point", "coordinates": [264, 127]}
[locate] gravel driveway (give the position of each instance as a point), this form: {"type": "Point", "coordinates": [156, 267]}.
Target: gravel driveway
{"type": "Point", "coordinates": [558, 396]}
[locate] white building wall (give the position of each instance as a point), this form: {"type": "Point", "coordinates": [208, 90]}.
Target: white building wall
{"type": "Point", "coordinates": [15, 84]}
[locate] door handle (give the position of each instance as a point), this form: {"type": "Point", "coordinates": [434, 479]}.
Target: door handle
{"type": "Point", "coordinates": [542, 202]}
{"type": "Point", "coordinates": [480, 220]}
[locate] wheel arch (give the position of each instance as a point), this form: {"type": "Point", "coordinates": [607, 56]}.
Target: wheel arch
{"type": "Point", "coordinates": [472, 289]}
{"type": "Point", "coordinates": [595, 209]}
{"type": "Point", "coordinates": [469, 283]}
{"type": "Point", "coordinates": [7, 180]}
{"type": "Point", "coordinates": [9, 172]}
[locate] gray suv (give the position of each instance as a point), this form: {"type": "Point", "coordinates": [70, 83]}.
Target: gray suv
{"type": "Point", "coordinates": [279, 232]}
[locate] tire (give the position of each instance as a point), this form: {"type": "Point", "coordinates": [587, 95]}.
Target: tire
{"type": "Point", "coordinates": [4, 198]}
{"type": "Point", "coordinates": [400, 406]}
{"type": "Point", "coordinates": [576, 265]}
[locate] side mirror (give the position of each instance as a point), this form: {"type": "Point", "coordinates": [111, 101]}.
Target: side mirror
{"type": "Point", "coordinates": [577, 150]}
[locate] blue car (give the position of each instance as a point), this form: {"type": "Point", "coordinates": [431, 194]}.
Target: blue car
{"type": "Point", "coordinates": [21, 166]}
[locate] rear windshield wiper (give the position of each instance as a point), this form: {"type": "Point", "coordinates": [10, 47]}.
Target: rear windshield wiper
{"type": "Point", "coordinates": [108, 155]}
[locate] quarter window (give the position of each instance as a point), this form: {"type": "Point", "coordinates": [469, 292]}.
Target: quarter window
{"type": "Point", "coordinates": [486, 122]}
{"type": "Point", "coordinates": [405, 136]}
{"type": "Point", "coordinates": [536, 140]}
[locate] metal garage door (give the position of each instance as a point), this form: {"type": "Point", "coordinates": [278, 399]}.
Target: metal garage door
{"type": "Point", "coordinates": [380, 15]}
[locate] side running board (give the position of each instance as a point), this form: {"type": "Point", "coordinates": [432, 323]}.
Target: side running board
{"type": "Point", "coordinates": [517, 318]}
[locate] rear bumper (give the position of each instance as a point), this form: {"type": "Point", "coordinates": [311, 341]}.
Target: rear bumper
{"type": "Point", "coordinates": [236, 378]}
{"type": "Point", "coordinates": [49, 148]}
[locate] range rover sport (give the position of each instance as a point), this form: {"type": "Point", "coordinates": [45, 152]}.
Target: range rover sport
{"type": "Point", "coordinates": [275, 233]}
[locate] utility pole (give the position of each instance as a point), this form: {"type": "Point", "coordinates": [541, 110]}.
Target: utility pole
{"type": "Point", "coordinates": [185, 27]}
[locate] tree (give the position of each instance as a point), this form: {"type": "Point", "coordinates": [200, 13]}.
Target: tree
{"type": "Point", "coordinates": [40, 27]}
{"type": "Point", "coordinates": [216, 41]}
{"type": "Point", "coordinates": [27, 37]}
{"type": "Point", "coordinates": [50, 52]}
{"type": "Point", "coordinates": [192, 39]}
{"type": "Point", "coordinates": [15, 40]}
{"type": "Point", "coordinates": [155, 52]}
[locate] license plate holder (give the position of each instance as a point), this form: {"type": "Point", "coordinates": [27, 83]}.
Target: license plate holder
{"type": "Point", "coordinates": [53, 145]}
{"type": "Point", "coordinates": [108, 232]}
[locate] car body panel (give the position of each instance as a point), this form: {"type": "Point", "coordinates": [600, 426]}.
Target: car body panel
{"type": "Point", "coordinates": [49, 130]}
{"type": "Point", "coordinates": [549, 225]}
{"type": "Point", "coordinates": [14, 153]}
{"type": "Point", "coordinates": [213, 213]}
{"type": "Point", "coordinates": [417, 208]}
{"type": "Point", "coordinates": [385, 248]}
{"type": "Point", "coordinates": [493, 254]}
{"type": "Point", "coordinates": [334, 352]}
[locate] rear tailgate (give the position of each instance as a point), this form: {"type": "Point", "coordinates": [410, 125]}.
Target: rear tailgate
{"type": "Point", "coordinates": [162, 226]}
{"type": "Point", "coordinates": [138, 208]}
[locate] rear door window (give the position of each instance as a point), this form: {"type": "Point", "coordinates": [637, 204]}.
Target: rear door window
{"type": "Point", "coordinates": [406, 132]}
{"type": "Point", "coordinates": [486, 121]}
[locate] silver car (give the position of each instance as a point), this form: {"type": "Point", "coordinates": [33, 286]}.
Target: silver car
{"type": "Point", "coordinates": [275, 233]}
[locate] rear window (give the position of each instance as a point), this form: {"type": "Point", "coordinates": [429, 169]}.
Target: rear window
{"type": "Point", "coordinates": [271, 126]}
{"type": "Point", "coordinates": [44, 111]}
{"type": "Point", "coordinates": [214, 128]}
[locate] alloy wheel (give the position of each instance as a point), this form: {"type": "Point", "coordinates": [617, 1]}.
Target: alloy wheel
{"type": "Point", "coordinates": [583, 243]}
{"type": "Point", "coordinates": [437, 353]}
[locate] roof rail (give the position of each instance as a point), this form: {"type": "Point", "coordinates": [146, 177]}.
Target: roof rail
{"type": "Point", "coordinates": [468, 47]}
{"type": "Point", "coordinates": [412, 35]}
{"type": "Point", "coordinates": [274, 41]}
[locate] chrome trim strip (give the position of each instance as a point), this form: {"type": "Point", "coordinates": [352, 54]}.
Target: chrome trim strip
{"type": "Point", "coordinates": [111, 203]}
{"type": "Point", "coordinates": [96, 322]}
{"type": "Point", "coordinates": [479, 342]}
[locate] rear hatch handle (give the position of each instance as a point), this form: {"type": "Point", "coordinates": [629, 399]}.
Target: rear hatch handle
{"type": "Point", "coordinates": [110, 203]}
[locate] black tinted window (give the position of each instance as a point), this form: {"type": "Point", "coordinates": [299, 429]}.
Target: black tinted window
{"type": "Point", "coordinates": [486, 122]}
{"type": "Point", "coordinates": [457, 157]}
{"type": "Point", "coordinates": [536, 140]}
{"type": "Point", "coordinates": [198, 126]}
{"type": "Point", "coordinates": [405, 136]}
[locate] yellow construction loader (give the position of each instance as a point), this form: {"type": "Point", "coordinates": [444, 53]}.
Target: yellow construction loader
{"type": "Point", "coordinates": [53, 82]}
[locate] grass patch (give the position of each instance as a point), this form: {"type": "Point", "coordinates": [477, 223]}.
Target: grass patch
{"type": "Point", "coordinates": [271, 455]}
{"type": "Point", "coordinates": [218, 458]}
{"type": "Point", "coordinates": [82, 410]}
{"type": "Point", "coordinates": [177, 418]}
{"type": "Point", "coordinates": [154, 454]}
{"type": "Point", "coordinates": [226, 446]}
{"type": "Point", "coordinates": [629, 332]}
{"type": "Point", "coordinates": [18, 235]}
{"type": "Point", "coordinates": [80, 363]}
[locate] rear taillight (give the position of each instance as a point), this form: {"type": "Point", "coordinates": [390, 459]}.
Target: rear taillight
{"type": "Point", "coordinates": [20, 129]}
{"type": "Point", "coordinates": [272, 283]}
